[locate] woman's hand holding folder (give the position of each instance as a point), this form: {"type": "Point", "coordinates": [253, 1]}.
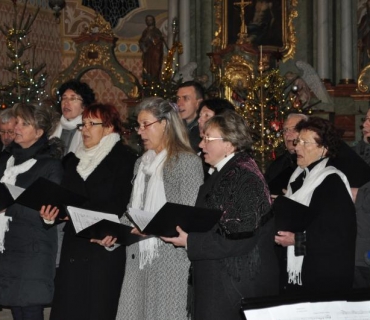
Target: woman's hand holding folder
{"type": "Point", "coordinates": [49, 214]}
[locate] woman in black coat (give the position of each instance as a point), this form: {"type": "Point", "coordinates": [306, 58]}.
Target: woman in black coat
{"type": "Point", "coordinates": [27, 264]}
{"type": "Point", "coordinates": [236, 258]}
{"type": "Point", "coordinates": [89, 277]}
{"type": "Point", "coordinates": [316, 219]}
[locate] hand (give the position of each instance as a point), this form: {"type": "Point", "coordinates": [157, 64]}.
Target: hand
{"type": "Point", "coordinates": [48, 213]}
{"type": "Point", "coordinates": [137, 232]}
{"type": "Point", "coordinates": [273, 197]}
{"type": "Point", "coordinates": [108, 241]}
{"type": "Point", "coordinates": [285, 238]}
{"type": "Point", "coordinates": [180, 241]}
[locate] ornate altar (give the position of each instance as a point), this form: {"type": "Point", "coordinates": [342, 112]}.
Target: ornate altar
{"type": "Point", "coordinates": [95, 50]}
{"type": "Point", "coordinates": [248, 32]}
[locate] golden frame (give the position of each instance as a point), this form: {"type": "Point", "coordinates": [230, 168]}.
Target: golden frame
{"type": "Point", "coordinates": [288, 38]}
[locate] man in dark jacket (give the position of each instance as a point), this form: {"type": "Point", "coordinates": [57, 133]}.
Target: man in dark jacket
{"type": "Point", "coordinates": [278, 173]}
{"type": "Point", "coordinates": [189, 95]}
{"type": "Point", "coordinates": [7, 124]}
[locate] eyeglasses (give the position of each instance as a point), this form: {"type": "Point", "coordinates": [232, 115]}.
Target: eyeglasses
{"type": "Point", "coordinates": [87, 125]}
{"type": "Point", "coordinates": [144, 126]}
{"type": "Point", "coordinates": [71, 99]}
{"type": "Point", "coordinates": [9, 133]}
{"type": "Point", "coordinates": [209, 139]}
{"type": "Point", "coordinates": [302, 142]}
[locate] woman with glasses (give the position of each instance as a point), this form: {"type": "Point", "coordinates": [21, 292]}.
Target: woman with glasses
{"type": "Point", "coordinates": [156, 278]}
{"type": "Point", "coordinates": [74, 96]}
{"type": "Point", "coordinates": [89, 277]}
{"type": "Point", "coordinates": [27, 249]}
{"type": "Point", "coordinates": [236, 258]}
{"type": "Point", "coordinates": [316, 219]}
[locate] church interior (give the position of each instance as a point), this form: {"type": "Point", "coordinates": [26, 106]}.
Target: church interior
{"type": "Point", "coordinates": [316, 53]}
{"type": "Point", "coordinates": [97, 41]}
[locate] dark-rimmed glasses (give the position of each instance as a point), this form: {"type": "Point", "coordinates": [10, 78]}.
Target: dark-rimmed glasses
{"type": "Point", "coordinates": [8, 132]}
{"type": "Point", "coordinates": [144, 126]}
{"type": "Point", "coordinates": [87, 125]}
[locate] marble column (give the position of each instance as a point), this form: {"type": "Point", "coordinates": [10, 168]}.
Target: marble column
{"type": "Point", "coordinates": [184, 31]}
{"type": "Point", "coordinates": [322, 28]}
{"type": "Point", "coordinates": [173, 12]}
{"type": "Point", "coordinates": [346, 42]}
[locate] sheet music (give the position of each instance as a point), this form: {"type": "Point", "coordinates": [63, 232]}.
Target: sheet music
{"type": "Point", "coordinates": [141, 218]}
{"type": "Point", "coordinates": [14, 190]}
{"type": "Point", "coordinates": [334, 310]}
{"type": "Point", "coordinates": [83, 218]}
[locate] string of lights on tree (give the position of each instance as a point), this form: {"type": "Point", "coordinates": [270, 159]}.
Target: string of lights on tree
{"type": "Point", "coordinates": [27, 79]}
{"type": "Point", "coordinates": [265, 105]}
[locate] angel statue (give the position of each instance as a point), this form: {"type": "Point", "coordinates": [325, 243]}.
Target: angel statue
{"type": "Point", "coordinates": [307, 89]}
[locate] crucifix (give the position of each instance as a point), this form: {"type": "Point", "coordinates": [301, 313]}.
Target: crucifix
{"type": "Point", "coordinates": [242, 35]}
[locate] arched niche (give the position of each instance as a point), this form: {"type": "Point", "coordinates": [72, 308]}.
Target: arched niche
{"type": "Point", "coordinates": [95, 50]}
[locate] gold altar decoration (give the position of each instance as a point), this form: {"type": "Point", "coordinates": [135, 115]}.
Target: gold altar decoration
{"type": "Point", "coordinates": [243, 34]}
{"type": "Point", "coordinates": [287, 15]}
{"type": "Point", "coordinates": [363, 82]}
{"type": "Point", "coordinates": [95, 50]}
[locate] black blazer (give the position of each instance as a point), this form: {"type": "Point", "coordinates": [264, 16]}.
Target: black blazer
{"type": "Point", "coordinates": [223, 270]}
{"type": "Point", "coordinates": [89, 277]}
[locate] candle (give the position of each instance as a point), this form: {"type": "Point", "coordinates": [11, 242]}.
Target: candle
{"type": "Point", "coordinates": [261, 53]}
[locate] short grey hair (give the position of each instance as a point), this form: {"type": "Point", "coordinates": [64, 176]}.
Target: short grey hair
{"type": "Point", "coordinates": [298, 115]}
{"type": "Point", "coordinates": [6, 115]}
{"type": "Point", "coordinates": [233, 128]}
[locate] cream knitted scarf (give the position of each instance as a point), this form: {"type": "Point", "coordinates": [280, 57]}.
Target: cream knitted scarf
{"type": "Point", "coordinates": [303, 195]}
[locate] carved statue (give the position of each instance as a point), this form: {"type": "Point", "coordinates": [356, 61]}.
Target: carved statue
{"type": "Point", "coordinates": [151, 44]}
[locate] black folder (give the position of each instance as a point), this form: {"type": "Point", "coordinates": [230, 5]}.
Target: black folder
{"type": "Point", "coordinates": [190, 219]}
{"type": "Point", "coordinates": [6, 199]}
{"type": "Point", "coordinates": [45, 192]}
{"type": "Point", "coordinates": [105, 228]}
{"type": "Point", "coordinates": [290, 215]}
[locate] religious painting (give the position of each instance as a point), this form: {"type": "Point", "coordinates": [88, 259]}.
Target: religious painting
{"type": "Point", "coordinates": [363, 33]}
{"type": "Point", "coordinates": [363, 45]}
{"type": "Point", "coordinates": [268, 23]}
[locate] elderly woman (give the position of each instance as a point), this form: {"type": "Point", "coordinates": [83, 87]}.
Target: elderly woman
{"type": "Point", "coordinates": [208, 109]}
{"type": "Point", "coordinates": [155, 283]}
{"type": "Point", "coordinates": [89, 277]}
{"type": "Point", "coordinates": [316, 218]}
{"type": "Point", "coordinates": [236, 258]}
{"type": "Point", "coordinates": [27, 263]}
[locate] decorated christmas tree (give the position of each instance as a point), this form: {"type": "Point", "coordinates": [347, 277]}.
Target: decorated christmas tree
{"type": "Point", "coordinates": [265, 105]}
{"type": "Point", "coordinates": [27, 79]}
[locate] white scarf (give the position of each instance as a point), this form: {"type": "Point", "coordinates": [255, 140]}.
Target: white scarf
{"type": "Point", "coordinates": [152, 165]}
{"type": "Point", "coordinates": [303, 195]}
{"type": "Point", "coordinates": [10, 176]}
{"type": "Point", "coordinates": [69, 125]}
{"type": "Point", "coordinates": [90, 158]}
